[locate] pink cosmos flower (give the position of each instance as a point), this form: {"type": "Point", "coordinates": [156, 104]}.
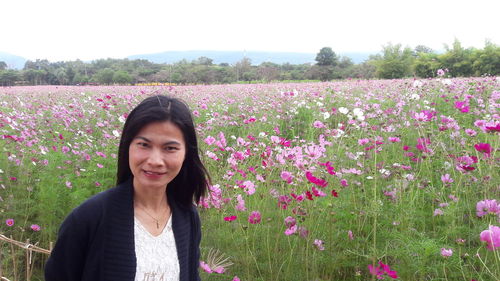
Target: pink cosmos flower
{"type": "Point", "coordinates": [316, 181]}
{"type": "Point", "coordinates": [483, 147]}
{"type": "Point", "coordinates": [68, 184]}
{"type": "Point", "coordinates": [462, 106]}
{"type": "Point", "coordinates": [254, 217]}
{"type": "Point", "coordinates": [363, 141]}
{"type": "Point", "coordinates": [382, 269]}
{"type": "Point", "coordinates": [446, 252]}
{"type": "Point", "coordinates": [492, 237]}
{"type": "Point", "coordinates": [446, 178]}
{"type": "Point", "coordinates": [205, 267]}
{"type": "Point", "coordinates": [249, 187]}
{"type": "Point", "coordinates": [438, 212]}
{"type": "Point", "coordinates": [319, 244]}
{"type": "Point", "coordinates": [350, 235]}
{"type": "Point", "coordinates": [291, 230]}
{"type": "Point", "coordinates": [344, 183]}
{"type": "Point", "coordinates": [394, 139]}
{"type": "Point", "coordinates": [241, 203]}
{"type": "Point", "coordinates": [487, 207]}
{"type": "Point", "coordinates": [35, 227]}
{"type": "Point", "coordinates": [230, 218]}
{"type": "Point", "coordinates": [9, 222]}
{"type": "Point", "coordinates": [470, 132]}
{"type": "Point", "coordinates": [318, 124]}
{"type": "Point", "coordinates": [440, 72]}
{"type": "Point", "coordinates": [287, 176]}
{"type": "Point", "coordinates": [236, 278]}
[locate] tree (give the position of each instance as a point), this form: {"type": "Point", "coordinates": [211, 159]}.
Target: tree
{"type": "Point", "coordinates": [3, 65]}
{"type": "Point", "coordinates": [487, 61]}
{"type": "Point", "coordinates": [8, 77]}
{"type": "Point", "coordinates": [422, 49]}
{"type": "Point", "coordinates": [326, 56]}
{"type": "Point", "coordinates": [104, 76]}
{"type": "Point", "coordinates": [395, 62]}
{"type": "Point", "coordinates": [122, 77]}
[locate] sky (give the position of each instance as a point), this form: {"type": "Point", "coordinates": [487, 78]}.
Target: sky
{"type": "Point", "coordinates": [91, 29]}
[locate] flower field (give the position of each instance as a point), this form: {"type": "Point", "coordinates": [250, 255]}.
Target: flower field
{"type": "Point", "coordinates": [348, 180]}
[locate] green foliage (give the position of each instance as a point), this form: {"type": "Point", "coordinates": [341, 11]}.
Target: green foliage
{"type": "Point", "coordinates": [105, 76]}
{"type": "Point", "coordinates": [395, 62]}
{"type": "Point", "coordinates": [121, 77]}
{"type": "Point", "coordinates": [326, 56]}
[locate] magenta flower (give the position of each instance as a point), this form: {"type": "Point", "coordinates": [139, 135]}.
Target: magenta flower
{"type": "Point", "coordinates": [462, 106]}
{"type": "Point", "coordinates": [446, 252]}
{"type": "Point", "coordinates": [236, 278]}
{"type": "Point", "coordinates": [487, 207]}
{"type": "Point", "coordinates": [382, 269]}
{"type": "Point", "coordinates": [440, 72]}
{"type": "Point", "coordinates": [68, 184]}
{"type": "Point", "coordinates": [287, 176]}
{"type": "Point", "coordinates": [318, 124]}
{"type": "Point", "coordinates": [9, 222]}
{"type": "Point", "coordinates": [350, 235]}
{"type": "Point", "coordinates": [35, 227]}
{"type": "Point", "coordinates": [230, 218]}
{"type": "Point", "coordinates": [205, 267]}
{"type": "Point", "coordinates": [483, 147]}
{"type": "Point", "coordinates": [254, 217]}
{"type": "Point", "coordinates": [492, 237]}
{"type": "Point", "coordinates": [315, 180]}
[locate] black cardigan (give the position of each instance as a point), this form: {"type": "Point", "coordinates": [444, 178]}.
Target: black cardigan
{"type": "Point", "coordinates": [96, 240]}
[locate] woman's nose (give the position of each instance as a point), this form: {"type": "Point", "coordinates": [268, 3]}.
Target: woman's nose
{"type": "Point", "coordinates": [155, 158]}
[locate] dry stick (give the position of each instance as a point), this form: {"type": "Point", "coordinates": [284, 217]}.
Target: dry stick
{"type": "Point", "coordinates": [1, 250]}
{"type": "Point", "coordinates": [13, 254]}
{"type": "Point", "coordinates": [29, 248]}
{"type": "Point", "coordinates": [27, 262]}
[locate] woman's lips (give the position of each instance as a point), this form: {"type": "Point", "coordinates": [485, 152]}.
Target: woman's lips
{"type": "Point", "coordinates": [151, 174]}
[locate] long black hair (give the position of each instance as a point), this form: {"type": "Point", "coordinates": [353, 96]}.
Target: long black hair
{"type": "Point", "coordinates": [191, 182]}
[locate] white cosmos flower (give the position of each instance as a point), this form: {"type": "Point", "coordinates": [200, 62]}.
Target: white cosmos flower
{"type": "Point", "coordinates": [115, 133]}
{"type": "Point", "coordinates": [358, 111]}
{"type": "Point", "coordinates": [343, 110]}
{"type": "Point", "coordinates": [326, 115]}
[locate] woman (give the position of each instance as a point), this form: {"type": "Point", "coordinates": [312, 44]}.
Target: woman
{"type": "Point", "coordinates": [147, 227]}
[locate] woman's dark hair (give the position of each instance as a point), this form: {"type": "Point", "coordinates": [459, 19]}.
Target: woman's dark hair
{"type": "Point", "coordinates": [191, 182]}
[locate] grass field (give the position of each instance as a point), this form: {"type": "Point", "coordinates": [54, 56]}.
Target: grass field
{"type": "Point", "coordinates": [348, 180]}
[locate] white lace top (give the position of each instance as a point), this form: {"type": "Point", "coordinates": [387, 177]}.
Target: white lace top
{"type": "Point", "coordinates": [156, 256]}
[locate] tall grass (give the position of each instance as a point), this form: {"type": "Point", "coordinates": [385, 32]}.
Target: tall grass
{"type": "Point", "coordinates": [389, 191]}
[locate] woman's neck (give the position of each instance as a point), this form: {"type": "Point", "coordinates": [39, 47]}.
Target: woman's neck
{"type": "Point", "coordinates": [155, 200]}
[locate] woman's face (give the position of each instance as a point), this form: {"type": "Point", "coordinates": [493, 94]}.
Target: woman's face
{"type": "Point", "coordinates": [156, 155]}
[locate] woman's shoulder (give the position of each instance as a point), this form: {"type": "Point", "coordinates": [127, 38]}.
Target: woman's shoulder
{"type": "Point", "coordinates": [96, 204]}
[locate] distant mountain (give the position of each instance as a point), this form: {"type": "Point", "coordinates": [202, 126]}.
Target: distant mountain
{"type": "Point", "coordinates": [232, 57]}
{"type": "Point", "coordinates": [12, 61]}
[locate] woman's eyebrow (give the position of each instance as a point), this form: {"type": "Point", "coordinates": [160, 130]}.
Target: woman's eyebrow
{"type": "Point", "coordinates": [142, 138]}
{"type": "Point", "coordinates": [172, 142]}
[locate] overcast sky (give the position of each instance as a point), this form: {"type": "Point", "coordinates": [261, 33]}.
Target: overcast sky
{"type": "Point", "coordinates": [92, 29]}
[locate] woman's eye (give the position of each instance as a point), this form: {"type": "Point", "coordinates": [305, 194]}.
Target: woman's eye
{"type": "Point", "coordinates": [142, 144]}
{"type": "Point", "coordinates": [171, 148]}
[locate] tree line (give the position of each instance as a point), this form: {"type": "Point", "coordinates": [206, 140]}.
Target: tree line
{"type": "Point", "coordinates": [394, 61]}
